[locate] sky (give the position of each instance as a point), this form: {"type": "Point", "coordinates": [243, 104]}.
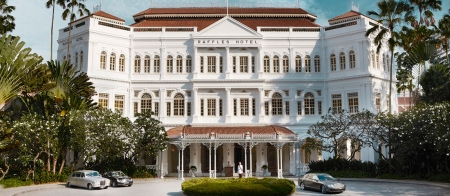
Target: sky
{"type": "Point", "coordinates": [33, 19]}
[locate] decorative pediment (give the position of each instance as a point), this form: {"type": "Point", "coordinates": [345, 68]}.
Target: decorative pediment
{"type": "Point", "coordinates": [230, 27]}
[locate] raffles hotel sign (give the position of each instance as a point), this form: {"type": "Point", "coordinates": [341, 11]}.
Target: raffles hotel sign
{"type": "Point", "coordinates": [227, 42]}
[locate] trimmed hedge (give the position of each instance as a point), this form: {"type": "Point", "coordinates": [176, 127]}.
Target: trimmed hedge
{"type": "Point", "coordinates": [238, 187]}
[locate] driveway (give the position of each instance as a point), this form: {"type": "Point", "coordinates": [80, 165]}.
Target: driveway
{"type": "Point", "coordinates": [172, 187]}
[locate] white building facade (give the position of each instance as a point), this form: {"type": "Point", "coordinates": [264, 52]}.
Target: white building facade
{"type": "Point", "coordinates": [252, 67]}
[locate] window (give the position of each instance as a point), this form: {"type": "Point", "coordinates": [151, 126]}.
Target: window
{"type": "Point", "coordinates": [221, 64]}
{"type": "Point", "coordinates": [336, 101]}
{"type": "Point", "coordinates": [201, 107]}
{"type": "Point", "coordinates": [135, 108]}
{"type": "Point", "coordinates": [342, 60]}
{"type": "Point", "coordinates": [122, 63]}
{"type": "Point", "coordinates": [168, 108]}
{"type": "Point", "coordinates": [179, 64]}
{"type": "Point", "coordinates": [244, 107]}
{"type": "Point", "coordinates": [266, 108]}
{"type": "Point", "coordinates": [317, 63]}
{"type": "Point", "coordinates": [352, 59]}
{"type": "Point", "coordinates": [277, 104]}
{"type": "Point", "coordinates": [211, 64]}
{"type": "Point", "coordinates": [112, 62]}
{"type": "Point", "coordinates": [377, 58]}
{"type": "Point", "coordinates": [333, 62]}
{"type": "Point", "coordinates": [378, 102]}
{"type": "Point", "coordinates": [353, 102]}
{"type": "Point", "coordinates": [201, 64]}
{"type": "Point", "coordinates": [388, 63]}
{"type": "Point", "coordinates": [211, 107]}
{"type": "Point", "coordinates": [234, 107]}
{"type": "Point", "coordinates": [243, 62]}
{"type": "Point", "coordinates": [188, 64]}
{"type": "Point", "coordinates": [285, 64]}
{"type": "Point", "coordinates": [137, 64]}
{"type": "Point", "coordinates": [299, 108]}
{"type": "Point", "coordinates": [253, 107]}
{"type": "Point", "coordinates": [220, 107]}
{"type": "Point", "coordinates": [188, 109]}
{"type": "Point", "coordinates": [373, 59]}
{"type": "Point", "coordinates": [103, 100]}
{"type": "Point", "coordinates": [178, 105]}
{"type": "Point", "coordinates": [102, 60]}
{"type": "Point", "coordinates": [298, 64]}
{"type": "Point", "coordinates": [384, 62]}
{"type": "Point", "coordinates": [81, 59]}
{"type": "Point", "coordinates": [169, 64]}
{"type": "Point", "coordinates": [146, 103]}
{"type": "Point", "coordinates": [118, 103]}
{"type": "Point", "coordinates": [156, 64]}
{"type": "Point", "coordinates": [309, 104]}
{"type": "Point", "coordinates": [234, 64]}
{"type": "Point", "coordinates": [287, 107]}
{"type": "Point", "coordinates": [156, 111]}
{"type": "Point", "coordinates": [319, 107]}
{"type": "Point", "coordinates": [147, 64]}
{"type": "Point", "coordinates": [76, 59]}
{"type": "Point", "coordinates": [308, 64]}
{"type": "Point", "coordinates": [276, 64]}
{"type": "Point", "coordinates": [253, 64]}
{"type": "Point", "coordinates": [266, 64]}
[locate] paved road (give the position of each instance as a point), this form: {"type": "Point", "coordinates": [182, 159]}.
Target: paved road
{"type": "Point", "coordinates": [172, 187]}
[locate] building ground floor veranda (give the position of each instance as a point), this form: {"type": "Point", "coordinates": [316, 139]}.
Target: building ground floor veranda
{"type": "Point", "coordinates": [217, 151]}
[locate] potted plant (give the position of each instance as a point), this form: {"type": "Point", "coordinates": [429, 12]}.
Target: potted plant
{"type": "Point", "coordinates": [193, 170]}
{"type": "Point", "coordinates": [264, 168]}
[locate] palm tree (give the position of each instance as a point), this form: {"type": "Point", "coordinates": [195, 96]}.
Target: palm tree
{"type": "Point", "coordinates": [53, 3]}
{"type": "Point", "coordinates": [390, 13]}
{"type": "Point", "coordinates": [444, 30]}
{"type": "Point", "coordinates": [69, 12]}
{"type": "Point", "coordinates": [6, 20]}
{"type": "Point", "coordinates": [426, 8]}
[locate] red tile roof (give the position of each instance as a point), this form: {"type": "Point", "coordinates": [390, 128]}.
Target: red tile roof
{"type": "Point", "coordinates": [229, 130]}
{"type": "Point", "coordinates": [221, 10]}
{"type": "Point", "coordinates": [106, 15]}
{"type": "Point", "coordinates": [202, 23]}
{"type": "Point", "coordinates": [349, 14]}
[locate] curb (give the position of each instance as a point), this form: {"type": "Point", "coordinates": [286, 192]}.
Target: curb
{"type": "Point", "coordinates": [440, 184]}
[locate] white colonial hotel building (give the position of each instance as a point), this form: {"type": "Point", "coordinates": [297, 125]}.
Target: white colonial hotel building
{"type": "Point", "coordinates": [253, 79]}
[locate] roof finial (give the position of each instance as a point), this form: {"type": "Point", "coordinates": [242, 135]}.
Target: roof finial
{"type": "Point", "coordinates": [355, 7]}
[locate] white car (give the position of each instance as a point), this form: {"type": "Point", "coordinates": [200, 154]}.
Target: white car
{"type": "Point", "coordinates": [87, 178]}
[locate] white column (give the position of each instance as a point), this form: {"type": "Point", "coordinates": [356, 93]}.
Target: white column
{"type": "Point", "coordinates": [245, 159]}
{"type": "Point", "coordinates": [278, 161]}
{"type": "Point", "coordinates": [228, 105]}
{"type": "Point", "coordinates": [195, 105]}
{"type": "Point", "coordinates": [163, 63]}
{"type": "Point", "coordinates": [215, 160]}
{"type": "Point", "coordinates": [181, 166]}
{"type": "Point", "coordinates": [209, 160]}
{"type": "Point", "coordinates": [227, 63]}
{"type": "Point", "coordinates": [179, 174]}
{"type": "Point", "coordinates": [260, 64]}
{"type": "Point", "coordinates": [250, 169]}
{"type": "Point", "coordinates": [194, 63]}
{"type": "Point", "coordinates": [162, 104]}
{"type": "Point", "coordinates": [261, 105]}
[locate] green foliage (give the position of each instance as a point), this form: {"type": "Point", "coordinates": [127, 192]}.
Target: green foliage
{"type": "Point", "coordinates": [126, 165]}
{"type": "Point", "coordinates": [15, 182]}
{"type": "Point", "coordinates": [42, 177]}
{"type": "Point", "coordinates": [6, 20]}
{"type": "Point", "coordinates": [436, 84]}
{"type": "Point", "coordinates": [238, 187]}
{"type": "Point", "coordinates": [345, 168]}
{"type": "Point", "coordinates": [153, 137]}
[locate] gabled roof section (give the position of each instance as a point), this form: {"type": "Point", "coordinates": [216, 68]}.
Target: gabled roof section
{"type": "Point", "coordinates": [104, 15]}
{"type": "Point", "coordinates": [232, 26]}
{"type": "Point", "coordinates": [351, 15]}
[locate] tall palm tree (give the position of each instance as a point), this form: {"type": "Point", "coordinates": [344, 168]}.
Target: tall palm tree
{"type": "Point", "coordinates": [48, 4]}
{"type": "Point", "coordinates": [426, 8]}
{"type": "Point", "coordinates": [6, 20]}
{"type": "Point", "coordinates": [444, 31]}
{"type": "Point", "coordinates": [390, 14]}
{"type": "Point", "coordinates": [69, 12]}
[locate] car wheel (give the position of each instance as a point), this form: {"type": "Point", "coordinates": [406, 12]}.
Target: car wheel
{"type": "Point", "coordinates": [302, 186]}
{"type": "Point", "coordinates": [68, 184]}
{"type": "Point", "coordinates": [129, 185]}
{"type": "Point", "coordinates": [90, 187]}
{"type": "Point", "coordinates": [324, 189]}
{"type": "Point", "coordinates": [105, 187]}
{"type": "Point", "coordinates": [114, 184]}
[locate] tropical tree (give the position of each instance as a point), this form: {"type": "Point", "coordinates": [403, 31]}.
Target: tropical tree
{"type": "Point", "coordinates": [6, 20]}
{"type": "Point", "coordinates": [426, 8]}
{"type": "Point", "coordinates": [48, 4]}
{"type": "Point", "coordinates": [72, 8]}
{"type": "Point", "coordinates": [152, 135]}
{"type": "Point", "coordinates": [444, 31]}
{"type": "Point", "coordinates": [436, 84]}
{"type": "Point", "coordinates": [390, 14]}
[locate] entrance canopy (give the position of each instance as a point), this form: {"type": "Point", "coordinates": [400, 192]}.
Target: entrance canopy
{"type": "Point", "coordinates": [270, 133]}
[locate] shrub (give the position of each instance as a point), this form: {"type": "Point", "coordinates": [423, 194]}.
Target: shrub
{"type": "Point", "coordinates": [15, 182]}
{"type": "Point", "coordinates": [238, 187]}
{"type": "Point", "coordinates": [125, 165]}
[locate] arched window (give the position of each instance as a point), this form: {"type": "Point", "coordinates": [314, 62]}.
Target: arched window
{"type": "Point", "coordinates": [156, 64]}
{"type": "Point", "coordinates": [147, 64]}
{"type": "Point", "coordinates": [103, 60]}
{"type": "Point", "coordinates": [277, 104]}
{"type": "Point", "coordinates": [388, 63]}
{"type": "Point", "coordinates": [146, 103]}
{"type": "Point", "coordinates": [308, 64]}
{"type": "Point", "coordinates": [276, 64]}
{"type": "Point", "coordinates": [122, 63]}
{"type": "Point", "coordinates": [384, 61]}
{"type": "Point", "coordinates": [76, 59]}
{"type": "Point", "coordinates": [188, 64]}
{"type": "Point", "coordinates": [309, 104]}
{"type": "Point", "coordinates": [179, 64]}
{"type": "Point", "coordinates": [178, 105]}
{"type": "Point", "coordinates": [342, 60]}
{"type": "Point", "coordinates": [377, 58]}
{"type": "Point", "coordinates": [137, 64]}
{"type": "Point", "coordinates": [112, 62]}
{"type": "Point", "coordinates": [373, 59]}
{"type": "Point", "coordinates": [333, 62]}
{"type": "Point", "coordinates": [266, 64]}
{"type": "Point", "coordinates": [352, 57]}
{"type": "Point", "coordinates": [169, 64]}
{"type": "Point", "coordinates": [298, 64]}
{"type": "Point", "coordinates": [285, 64]}
{"type": "Point", "coordinates": [81, 59]}
{"type": "Point", "coordinates": [317, 63]}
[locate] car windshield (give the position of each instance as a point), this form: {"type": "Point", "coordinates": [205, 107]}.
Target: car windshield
{"type": "Point", "coordinates": [119, 173]}
{"type": "Point", "coordinates": [92, 174]}
{"type": "Point", "coordinates": [324, 177]}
